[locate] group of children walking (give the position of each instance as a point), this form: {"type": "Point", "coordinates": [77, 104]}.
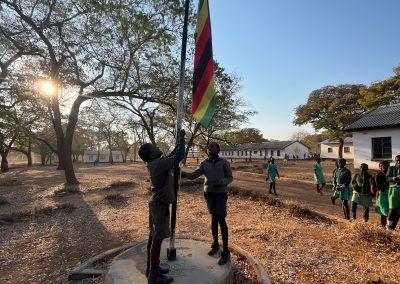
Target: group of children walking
{"type": "Point", "coordinates": [385, 186]}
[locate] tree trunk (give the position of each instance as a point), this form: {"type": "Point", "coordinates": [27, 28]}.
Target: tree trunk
{"type": "Point", "coordinates": [43, 158]}
{"type": "Point", "coordinates": [4, 162]}
{"type": "Point", "coordinates": [29, 154]}
{"type": "Point", "coordinates": [69, 168]}
{"type": "Point", "coordinates": [66, 151]}
{"type": "Point", "coordinates": [111, 160]}
{"type": "Point", "coordinates": [341, 143]}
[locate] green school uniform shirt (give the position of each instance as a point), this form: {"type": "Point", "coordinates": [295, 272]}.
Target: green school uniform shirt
{"type": "Point", "coordinates": [318, 174]}
{"type": "Point", "coordinates": [362, 189]}
{"type": "Point", "coordinates": [272, 169]}
{"type": "Point", "coordinates": [343, 176]}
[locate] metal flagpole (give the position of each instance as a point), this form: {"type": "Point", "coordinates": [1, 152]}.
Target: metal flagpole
{"type": "Point", "coordinates": [171, 251]}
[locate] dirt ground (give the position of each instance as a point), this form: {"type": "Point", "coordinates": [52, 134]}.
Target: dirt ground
{"type": "Point", "coordinates": [298, 236]}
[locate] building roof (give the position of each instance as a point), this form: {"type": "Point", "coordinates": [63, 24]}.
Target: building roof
{"type": "Point", "coordinates": [279, 145]}
{"type": "Point", "coordinates": [383, 117]}
{"type": "Point", "coordinates": [347, 140]}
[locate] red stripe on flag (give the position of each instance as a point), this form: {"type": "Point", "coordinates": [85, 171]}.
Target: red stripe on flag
{"type": "Point", "coordinates": [202, 41]}
{"type": "Point", "coordinates": [202, 87]}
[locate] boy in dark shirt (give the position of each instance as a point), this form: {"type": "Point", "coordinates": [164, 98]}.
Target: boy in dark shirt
{"type": "Point", "coordinates": [160, 170]}
{"type": "Point", "coordinates": [218, 175]}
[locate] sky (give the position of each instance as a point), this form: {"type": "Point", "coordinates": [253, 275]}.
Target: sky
{"type": "Point", "coordinates": [284, 49]}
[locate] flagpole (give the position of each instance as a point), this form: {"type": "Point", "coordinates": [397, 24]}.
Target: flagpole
{"type": "Point", "coordinates": [171, 251]}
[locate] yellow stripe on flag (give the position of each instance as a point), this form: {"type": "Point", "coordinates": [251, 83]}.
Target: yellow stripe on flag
{"type": "Point", "coordinates": [205, 101]}
{"type": "Point", "coordinates": [201, 20]}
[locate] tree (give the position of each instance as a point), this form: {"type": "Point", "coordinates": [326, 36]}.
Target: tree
{"type": "Point", "coordinates": [89, 48]}
{"type": "Point", "coordinates": [382, 93]}
{"type": "Point", "coordinates": [245, 135]}
{"type": "Point", "coordinates": [300, 135]}
{"type": "Point", "coordinates": [332, 108]}
{"type": "Point", "coordinates": [312, 141]}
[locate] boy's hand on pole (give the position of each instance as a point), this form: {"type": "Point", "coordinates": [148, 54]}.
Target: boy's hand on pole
{"type": "Point", "coordinates": [182, 133]}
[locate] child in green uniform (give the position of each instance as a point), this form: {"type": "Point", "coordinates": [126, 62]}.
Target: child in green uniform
{"type": "Point", "coordinates": [319, 178]}
{"type": "Point", "coordinates": [382, 200]}
{"type": "Point", "coordinates": [361, 192]}
{"type": "Point", "coordinates": [335, 193]}
{"type": "Point", "coordinates": [341, 182]}
{"type": "Point", "coordinates": [393, 175]}
{"type": "Point", "coordinates": [272, 173]}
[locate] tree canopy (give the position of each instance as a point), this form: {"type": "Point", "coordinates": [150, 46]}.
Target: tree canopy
{"type": "Point", "coordinates": [382, 92]}
{"type": "Point", "coordinates": [245, 135]}
{"type": "Point", "coordinates": [332, 108]}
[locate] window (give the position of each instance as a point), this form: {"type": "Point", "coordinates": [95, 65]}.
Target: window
{"type": "Point", "coordinates": [272, 152]}
{"type": "Point", "coordinates": [261, 153]}
{"type": "Point", "coordinates": [382, 148]}
{"type": "Point", "coordinates": [278, 153]}
{"type": "Point", "coordinates": [330, 150]}
{"type": "Point", "coordinates": [346, 150]}
{"type": "Point", "coordinates": [238, 153]}
{"type": "Point", "coordinates": [103, 157]}
{"type": "Point", "coordinates": [245, 153]}
{"type": "Point", "coordinates": [254, 152]}
{"type": "Point", "coordinates": [90, 157]}
{"type": "Point", "coordinates": [241, 153]}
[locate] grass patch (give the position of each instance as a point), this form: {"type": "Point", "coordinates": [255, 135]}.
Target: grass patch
{"type": "Point", "coordinates": [36, 212]}
{"type": "Point", "coordinates": [256, 196]}
{"type": "Point", "coordinates": [67, 189]}
{"type": "Point", "coordinates": [118, 183]}
{"type": "Point", "coordinates": [378, 236]}
{"type": "Point", "coordinates": [116, 199]}
{"type": "Point", "coordinates": [295, 209]}
{"type": "Point", "coordinates": [3, 201]}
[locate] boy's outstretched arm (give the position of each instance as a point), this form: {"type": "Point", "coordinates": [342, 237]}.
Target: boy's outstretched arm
{"type": "Point", "coordinates": [197, 173]}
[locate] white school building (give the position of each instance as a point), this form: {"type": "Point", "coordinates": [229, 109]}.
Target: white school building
{"type": "Point", "coordinates": [90, 156]}
{"type": "Point", "coordinates": [376, 136]}
{"type": "Point", "coordinates": [329, 149]}
{"type": "Point", "coordinates": [276, 149]}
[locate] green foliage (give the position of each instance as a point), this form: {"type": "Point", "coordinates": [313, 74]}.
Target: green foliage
{"type": "Point", "coordinates": [331, 108]}
{"type": "Point", "coordinates": [313, 140]}
{"type": "Point", "coordinates": [382, 93]}
{"type": "Point", "coordinates": [245, 135]}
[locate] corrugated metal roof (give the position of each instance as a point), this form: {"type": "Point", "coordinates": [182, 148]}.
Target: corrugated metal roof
{"type": "Point", "coordinates": [383, 117]}
{"type": "Point", "coordinates": [279, 145]}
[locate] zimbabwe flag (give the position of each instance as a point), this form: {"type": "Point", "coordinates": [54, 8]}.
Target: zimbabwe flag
{"type": "Point", "coordinates": [203, 103]}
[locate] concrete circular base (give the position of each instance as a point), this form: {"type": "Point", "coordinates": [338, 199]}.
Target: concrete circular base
{"type": "Point", "coordinates": [192, 265]}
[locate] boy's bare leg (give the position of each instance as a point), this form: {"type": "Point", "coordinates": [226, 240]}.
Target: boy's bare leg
{"type": "Point", "coordinates": [346, 209]}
